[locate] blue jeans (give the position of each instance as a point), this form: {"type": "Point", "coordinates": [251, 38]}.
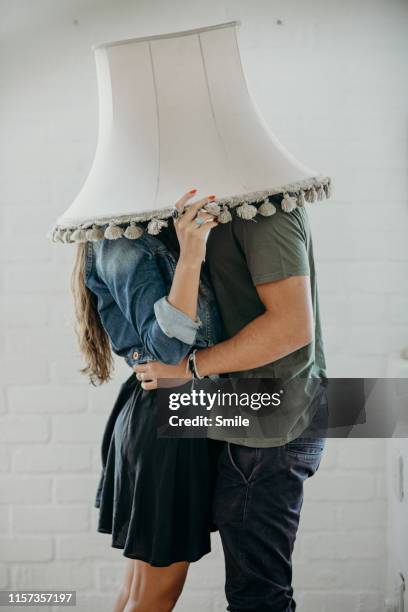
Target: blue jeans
{"type": "Point", "coordinates": [257, 504]}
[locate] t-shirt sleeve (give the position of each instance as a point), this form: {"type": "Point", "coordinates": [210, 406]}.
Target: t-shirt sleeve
{"type": "Point", "coordinates": [274, 247]}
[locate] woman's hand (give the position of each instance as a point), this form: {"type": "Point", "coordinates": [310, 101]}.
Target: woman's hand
{"type": "Point", "coordinates": [171, 375]}
{"type": "Point", "coordinates": [192, 228]}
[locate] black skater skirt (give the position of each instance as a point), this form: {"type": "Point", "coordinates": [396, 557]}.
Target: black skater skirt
{"type": "Point", "coordinates": [155, 494]}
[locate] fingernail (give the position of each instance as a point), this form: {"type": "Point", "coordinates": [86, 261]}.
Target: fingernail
{"type": "Point", "coordinates": [192, 190]}
{"type": "Point", "coordinates": [211, 197]}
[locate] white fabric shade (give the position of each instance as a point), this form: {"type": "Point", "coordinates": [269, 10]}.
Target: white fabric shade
{"type": "Point", "coordinates": [175, 112]}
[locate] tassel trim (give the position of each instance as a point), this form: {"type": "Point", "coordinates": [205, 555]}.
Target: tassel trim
{"type": "Point", "coordinates": [225, 215]}
{"type": "Point", "coordinates": [246, 207]}
{"type": "Point", "coordinates": [113, 231]}
{"type": "Point", "coordinates": [267, 209]}
{"type": "Point", "coordinates": [155, 226]}
{"type": "Point", "coordinates": [94, 233]}
{"type": "Point", "coordinates": [246, 211]}
{"type": "Point", "coordinates": [133, 231]}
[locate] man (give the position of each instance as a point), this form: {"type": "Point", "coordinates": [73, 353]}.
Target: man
{"type": "Point", "coordinates": [264, 279]}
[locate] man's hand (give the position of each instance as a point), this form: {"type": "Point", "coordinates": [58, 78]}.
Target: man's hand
{"type": "Point", "coordinates": [170, 375]}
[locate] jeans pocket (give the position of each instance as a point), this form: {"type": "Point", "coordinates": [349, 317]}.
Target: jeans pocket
{"type": "Point", "coordinates": [244, 460]}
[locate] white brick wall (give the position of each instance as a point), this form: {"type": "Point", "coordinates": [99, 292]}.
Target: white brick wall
{"type": "Point", "coordinates": [345, 114]}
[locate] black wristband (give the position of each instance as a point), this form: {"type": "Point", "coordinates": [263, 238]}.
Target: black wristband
{"type": "Point", "coordinates": [192, 366]}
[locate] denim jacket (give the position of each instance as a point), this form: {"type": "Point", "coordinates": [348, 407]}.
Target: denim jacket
{"type": "Point", "coordinates": [131, 279]}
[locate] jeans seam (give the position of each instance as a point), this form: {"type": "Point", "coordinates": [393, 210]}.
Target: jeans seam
{"type": "Point", "coordinates": [244, 513]}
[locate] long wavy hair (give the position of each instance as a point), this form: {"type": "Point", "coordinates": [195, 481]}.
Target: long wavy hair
{"type": "Point", "coordinates": [92, 338]}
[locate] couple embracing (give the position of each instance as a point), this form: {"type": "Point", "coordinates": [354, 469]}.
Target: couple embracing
{"type": "Point", "coordinates": [203, 298]}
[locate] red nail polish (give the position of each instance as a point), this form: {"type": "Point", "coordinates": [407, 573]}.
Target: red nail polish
{"type": "Point", "coordinates": [192, 190]}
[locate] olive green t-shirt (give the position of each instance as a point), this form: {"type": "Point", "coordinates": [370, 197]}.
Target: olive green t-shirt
{"type": "Point", "coordinates": [244, 253]}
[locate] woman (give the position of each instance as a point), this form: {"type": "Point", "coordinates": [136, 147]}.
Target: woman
{"type": "Point", "coordinates": [149, 299]}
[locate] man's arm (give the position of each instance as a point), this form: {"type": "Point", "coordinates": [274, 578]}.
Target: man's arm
{"type": "Point", "coordinates": [284, 327]}
{"type": "Point", "coordinates": [275, 251]}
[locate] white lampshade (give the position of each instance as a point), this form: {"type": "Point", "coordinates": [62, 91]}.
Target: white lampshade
{"type": "Point", "coordinates": [175, 112]}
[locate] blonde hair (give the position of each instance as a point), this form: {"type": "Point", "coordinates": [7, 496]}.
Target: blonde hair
{"type": "Point", "coordinates": [92, 338]}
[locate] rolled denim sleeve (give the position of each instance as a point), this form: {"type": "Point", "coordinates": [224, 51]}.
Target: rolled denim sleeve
{"type": "Point", "coordinates": [175, 323]}
{"type": "Point", "coordinates": [131, 272]}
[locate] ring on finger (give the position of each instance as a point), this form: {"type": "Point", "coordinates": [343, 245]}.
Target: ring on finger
{"type": "Point", "coordinates": [176, 213]}
{"type": "Point", "coordinates": [202, 218]}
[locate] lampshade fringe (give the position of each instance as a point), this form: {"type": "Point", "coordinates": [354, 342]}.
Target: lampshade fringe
{"type": "Point", "coordinates": [246, 207]}
{"type": "Point", "coordinates": [225, 215]}
{"type": "Point", "coordinates": [311, 195]}
{"type": "Point", "coordinates": [267, 209]}
{"type": "Point", "coordinates": [133, 231]}
{"type": "Point", "coordinates": [288, 203]}
{"type": "Point", "coordinates": [321, 194]}
{"type": "Point", "coordinates": [247, 211]}
{"type": "Point", "coordinates": [301, 201]}
{"type": "Point", "coordinates": [213, 208]}
{"type": "Point", "coordinates": [78, 235]}
{"type": "Point", "coordinates": [113, 232]}
{"type": "Point", "coordinates": [155, 226]}
{"type": "Point", "coordinates": [57, 235]}
{"type": "Point", "coordinates": [66, 235]}
{"type": "Point", "coordinates": [94, 233]}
